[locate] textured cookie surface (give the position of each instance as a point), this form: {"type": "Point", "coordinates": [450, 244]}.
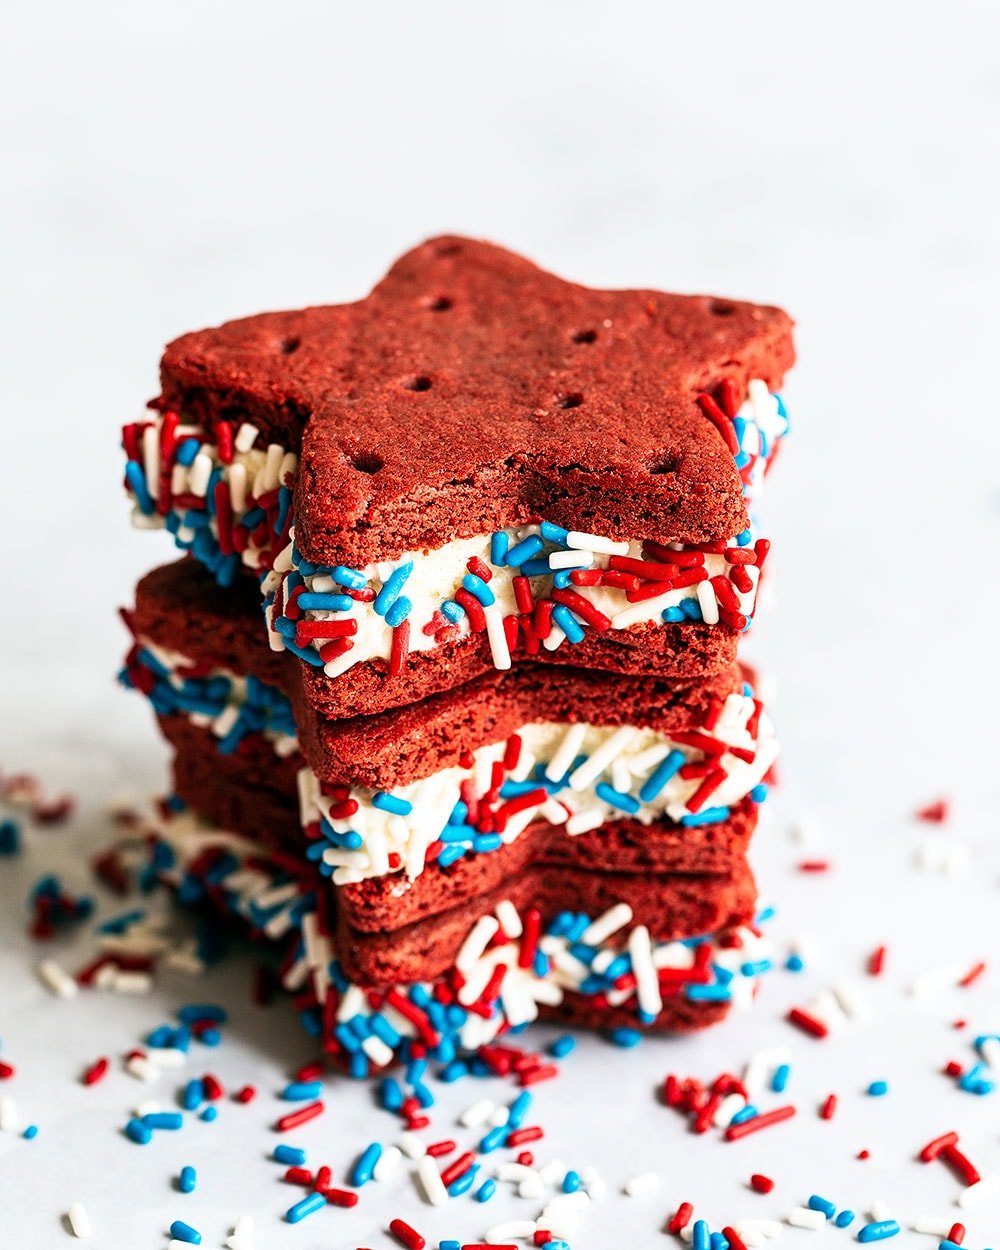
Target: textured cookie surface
{"type": "Point", "coordinates": [472, 390]}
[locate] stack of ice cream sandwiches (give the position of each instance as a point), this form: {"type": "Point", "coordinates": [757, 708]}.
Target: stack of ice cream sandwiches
{"type": "Point", "coordinates": [449, 668]}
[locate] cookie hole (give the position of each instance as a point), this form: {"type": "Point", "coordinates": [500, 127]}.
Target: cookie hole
{"type": "Point", "coordinates": [584, 336]}
{"type": "Point", "coordinates": [667, 464]}
{"type": "Point", "coordinates": [438, 303]}
{"type": "Point", "coordinates": [290, 345]}
{"type": "Point", "coordinates": [570, 399]}
{"type": "Point", "coordinates": [366, 462]}
{"type": "Point", "coordinates": [721, 307]}
{"type": "Point", "coordinates": [419, 383]}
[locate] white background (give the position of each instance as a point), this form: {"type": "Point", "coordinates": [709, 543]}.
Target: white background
{"type": "Point", "coordinates": [169, 166]}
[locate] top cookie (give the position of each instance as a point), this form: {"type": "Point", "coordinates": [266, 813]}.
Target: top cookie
{"type": "Point", "coordinates": [472, 391]}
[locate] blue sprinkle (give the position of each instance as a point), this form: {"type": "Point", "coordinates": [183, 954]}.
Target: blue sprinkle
{"type": "Point", "coordinates": [136, 479]}
{"type": "Point", "coordinates": [707, 993]}
{"type": "Point", "coordinates": [391, 1093]}
{"type": "Point", "coordinates": [209, 1114]}
{"type": "Point", "coordinates": [309, 1204]}
{"type": "Point", "coordinates": [816, 1203]}
{"type": "Point", "coordinates": [494, 1139]}
{"type": "Point", "coordinates": [616, 798]}
{"type": "Point", "coordinates": [464, 1183]}
{"type": "Point", "coordinates": [707, 816]}
{"type": "Point", "coordinates": [163, 1119]}
{"type": "Point", "coordinates": [759, 793]}
{"type": "Point", "coordinates": [489, 1187]}
{"type": "Point", "coordinates": [536, 568]}
{"type": "Point", "coordinates": [194, 1012]}
{"type": "Point", "coordinates": [700, 1238]}
{"type": "Point", "coordinates": [780, 1079]}
{"type": "Point", "coordinates": [449, 1245]}
{"type": "Point", "coordinates": [392, 588]}
{"type": "Point", "coordinates": [562, 1046]}
{"type": "Point", "coordinates": [878, 1231]}
{"type": "Point", "coordinates": [452, 611]}
{"type": "Point", "coordinates": [744, 539]}
{"type": "Point", "coordinates": [660, 775]}
{"type": "Point", "coordinates": [749, 1112]}
{"type": "Point", "coordinates": [553, 533]}
{"type": "Point", "coordinates": [187, 1180]}
{"type": "Point", "coordinates": [292, 1156]}
{"type": "Point", "coordinates": [353, 579]}
{"type": "Point", "coordinates": [519, 1109]}
{"type": "Point", "coordinates": [625, 1037]}
{"type": "Point", "coordinates": [478, 588]}
{"type": "Point", "coordinates": [302, 1091]}
{"type": "Point", "coordinates": [184, 1232]}
{"type": "Point", "coordinates": [136, 1131]}
{"type": "Point", "coordinates": [387, 802]}
{"type": "Point", "coordinates": [524, 551]}
{"type": "Point", "coordinates": [313, 601]}
{"type": "Point", "coordinates": [499, 544]}
{"type": "Point", "coordinates": [571, 1182]}
{"type": "Point", "coordinates": [186, 451]}
{"type": "Point", "coordinates": [10, 837]}
{"type": "Point", "coordinates": [362, 1171]}
{"type": "Point", "coordinates": [194, 1094]}
{"type": "Point", "coordinates": [794, 963]}
{"type": "Point", "coordinates": [878, 1089]}
{"type": "Point", "coordinates": [718, 1242]}
{"type": "Point", "coordinates": [844, 1219]}
{"type": "Point", "coordinates": [568, 623]}
{"type": "Point", "coordinates": [398, 611]}
{"type": "Point", "coordinates": [30, 1132]}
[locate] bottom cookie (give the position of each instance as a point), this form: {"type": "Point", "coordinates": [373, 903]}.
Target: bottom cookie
{"type": "Point", "coordinates": [599, 971]}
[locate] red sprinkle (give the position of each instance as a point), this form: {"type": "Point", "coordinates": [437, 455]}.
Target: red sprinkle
{"type": "Point", "coordinates": [681, 1218]}
{"type": "Point", "coordinates": [736, 1242]}
{"type": "Point", "coordinates": [407, 1236]}
{"type": "Point", "coordinates": [807, 1023]}
{"type": "Point", "coordinates": [957, 1234]}
{"type": "Point", "coordinates": [298, 1176]}
{"type": "Point", "coordinates": [341, 1197]}
{"type": "Point", "coordinates": [936, 812]}
{"type": "Point", "coordinates": [400, 648]}
{"type": "Point", "coordinates": [828, 1108]}
{"type": "Point", "coordinates": [876, 961]}
{"type": "Point", "coordinates": [302, 1116]}
{"type": "Point", "coordinates": [544, 1072]}
{"type": "Point", "coordinates": [963, 1168]}
{"type": "Point", "coordinates": [523, 1135]}
{"type": "Point", "coordinates": [96, 1072]}
{"type": "Point", "coordinates": [934, 1148]}
{"type": "Point", "coordinates": [814, 865]}
{"type": "Point", "coordinates": [438, 1148]}
{"type": "Point", "coordinates": [974, 973]}
{"type": "Point", "coordinates": [761, 1184]}
{"type": "Point", "coordinates": [454, 1170]}
{"type": "Point", "coordinates": [735, 1131]}
{"type": "Point", "coordinates": [247, 1094]}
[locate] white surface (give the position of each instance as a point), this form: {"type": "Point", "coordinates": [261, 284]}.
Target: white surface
{"type": "Point", "coordinates": [171, 166]}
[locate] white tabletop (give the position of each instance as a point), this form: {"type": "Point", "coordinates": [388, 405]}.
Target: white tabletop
{"type": "Point", "coordinates": [172, 166]}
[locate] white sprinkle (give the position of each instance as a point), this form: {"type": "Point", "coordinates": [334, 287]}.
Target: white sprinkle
{"type": "Point", "coordinates": [555, 639]}
{"type": "Point", "coordinates": [728, 1108]}
{"type": "Point", "coordinates": [151, 458]}
{"type": "Point", "coordinates": [596, 542]}
{"type": "Point", "coordinates": [937, 979]}
{"type": "Point", "coordinates": [578, 1201]}
{"type": "Point", "coordinates": [478, 1113]}
{"type": "Point", "coordinates": [990, 1051]}
{"type": "Point", "coordinates": [509, 917]}
{"type": "Point", "coordinates": [199, 473]}
{"type": "Point", "coordinates": [412, 1146]}
{"type": "Point", "coordinates": [55, 978]}
{"type": "Point", "coordinates": [379, 1052]}
{"type": "Point", "coordinates": [571, 559]}
{"type": "Point", "coordinates": [272, 466]}
{"type": "Point", "coordinates": [594, 1182]}
{"type": "Point", "coordinates": [531, 1187]}
{"type": "Point", "coordinates": [585, 820]}
{"type": "Point", "coordinates": [566, 752]}
{"type": "Point", "coordinates": [497, 636]}
{"type": "Point", "coordinates": [149, 1106]}
{"type": "Point", "coordinates": [708, 603]}
{"type": "Point", "coordinates": [388, 1161]}
{"type": "Point", "coordinates": [79, 1220]}
{"type": "Point", "coordinates": [475, 944]}
{"type": "Point", "coordinates": [640, 949]}
{"type": "Point", "coordinates": [646, 611]}
{"type": "Point", "coordinates": [510, 1230]}
{"type": "Point", "coordinates": [880, 1210]}
{"type": "Point", "coordinates": [609, 922]}
{"type": "Point", "coordinates": [933, 1225]}
{"type": "Point", "coordinates": [552, 1171]}
{"type": "Point", "coordinates": [851, 1000]}
{"type": "Point", "coordinates": [499, 1117]}
{"type": "Point", "coordinates": [8, 1114]}
{"type": "Point", "coordinates": [511, 1171]}
{"type": "Point", "coordinates": [644, 1183]}
{"type": "Point", "coordinates": [126, 982]}
{"type": "Point", "coordinates": [238, 487]}
{"type": "Point", "coordinates": [141, 1068]}
{"type": "Point", "coordinates": [595, 764]}
{"type": "Point", "coordinates": [805, 1217]}
{"type": "Point", "coordinates": [166, 1056]}
{"type": "Point", "coordinates": [431, 1182]}
{"type": "Point", "coordinates": [979, 1192]}
{"type": "Point", "coordinates": [246, 436]}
